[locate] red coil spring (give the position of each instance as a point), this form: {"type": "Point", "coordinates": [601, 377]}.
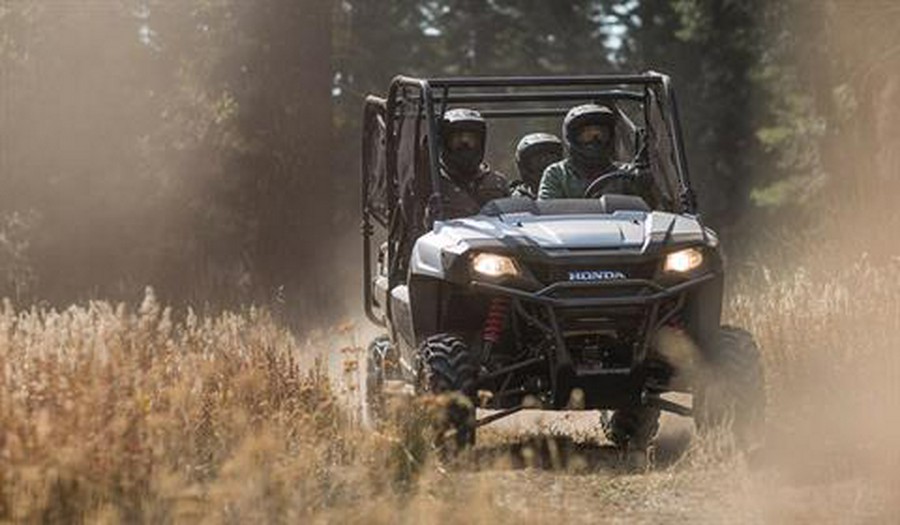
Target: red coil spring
{"type": "Point", "coordinates": [496, 319]}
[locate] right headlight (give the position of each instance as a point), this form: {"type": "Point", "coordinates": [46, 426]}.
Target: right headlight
{"type": "Point", "coordinates": [683, 261]}
{"type": "Point", "coordinates": [494, 265]}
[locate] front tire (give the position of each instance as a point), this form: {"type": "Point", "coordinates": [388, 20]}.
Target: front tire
{"type": "Point", "coordinates": [731, 390]}
{"type": "Point", "coordinates": [448, 369]}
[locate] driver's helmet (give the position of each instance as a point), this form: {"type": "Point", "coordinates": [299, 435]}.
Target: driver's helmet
{"type": "Point", "coordinates": [463, 133]}
{"type": "Point", "coordinates": [534, 153]}
{"type": "Point", "coordinates": [589, 133]}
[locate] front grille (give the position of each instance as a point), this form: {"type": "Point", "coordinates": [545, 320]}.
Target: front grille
{"type": "Point", "coordinates": [553, 273]}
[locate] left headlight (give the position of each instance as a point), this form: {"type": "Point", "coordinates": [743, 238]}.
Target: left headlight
{"type": "Point", "coordinates": [683, 261]}
{"type": "Point", "coordinates": [493, 265]}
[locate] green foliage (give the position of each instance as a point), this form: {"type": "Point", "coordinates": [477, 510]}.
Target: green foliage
{"type": "Point", "coordinates": [710, 47]}
{"type": "Point", "coordinates": [793, 127]}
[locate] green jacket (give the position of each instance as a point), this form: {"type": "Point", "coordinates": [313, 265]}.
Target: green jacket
{"type": "Point", "coordinates": [562, 181]}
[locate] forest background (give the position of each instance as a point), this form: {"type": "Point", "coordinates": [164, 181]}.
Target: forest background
{"type": "Point", "coordinates": [210, 148]}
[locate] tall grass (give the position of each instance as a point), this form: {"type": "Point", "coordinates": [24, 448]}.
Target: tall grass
{"type": "Point", "coordinates": [829, 335]}
{"type": "Point", "coordinates": [119, 414]}
{"type": "Point", "coordinates": [109, 413]}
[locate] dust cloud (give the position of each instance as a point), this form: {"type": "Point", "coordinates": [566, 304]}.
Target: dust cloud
{"type": "Point", "coordinates": [821, 296]}
{"type": "Point", "coordinates": [171, 144]}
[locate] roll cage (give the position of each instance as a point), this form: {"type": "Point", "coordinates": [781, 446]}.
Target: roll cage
{"type": "Point", "coordinates": [400, 145]}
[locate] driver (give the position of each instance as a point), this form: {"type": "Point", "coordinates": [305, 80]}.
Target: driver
{"type": "Point", "coordinates": [534, 153]}
{"type": "Point", "coordinates": [467, 182]}
{"type": "Point", "coordinates": [589, 133]}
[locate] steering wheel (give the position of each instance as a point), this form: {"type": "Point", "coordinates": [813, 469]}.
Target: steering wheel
{"type": "Point", "coordinates": [595, 189]}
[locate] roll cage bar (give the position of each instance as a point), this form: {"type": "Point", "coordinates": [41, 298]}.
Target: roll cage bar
{"type": "Point", "coordinates": [433, 95]}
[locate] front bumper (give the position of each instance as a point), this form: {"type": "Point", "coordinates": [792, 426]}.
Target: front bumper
{"type": "Point", "coordinates": [610, 387]}
{"type": "Point", "coordinates": [548, 296]}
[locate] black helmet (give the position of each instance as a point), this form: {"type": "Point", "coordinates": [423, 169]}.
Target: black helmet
{"type": "Point", "coordinates": [534, 153]}
{"type": "Point", "coordinates": [463, 133]}
{"type": "Point", "coordinates": [589, 134]}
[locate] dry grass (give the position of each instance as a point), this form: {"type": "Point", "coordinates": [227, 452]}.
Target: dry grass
{"type": "Point", "coordinates": [109, 414]}
{"type": "Point", "coordinates": [112, 415]}
{"type": "Point", "coordinates": [830, 341]}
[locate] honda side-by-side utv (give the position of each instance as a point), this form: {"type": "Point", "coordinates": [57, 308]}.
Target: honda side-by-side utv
{"type": "Point", "coordinates": [553, 304]}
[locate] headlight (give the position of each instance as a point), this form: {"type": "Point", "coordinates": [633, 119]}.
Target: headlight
{"type": "Point", "coordinates": [683, 261]}
{"type": "Point", "coordinates": [493, 265]}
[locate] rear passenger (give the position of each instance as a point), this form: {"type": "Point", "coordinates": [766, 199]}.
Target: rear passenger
{"type": "Point", "coordinates": [534, 153]}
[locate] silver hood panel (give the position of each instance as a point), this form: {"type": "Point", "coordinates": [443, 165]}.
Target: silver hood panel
{"type": "Point", "coordinates": [622, 230]}
{"type": "Point", "coordinates": [572, 232]}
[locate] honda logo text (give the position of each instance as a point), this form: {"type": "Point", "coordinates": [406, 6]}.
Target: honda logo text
{"type": "Point", "coordinates": [596, 275]}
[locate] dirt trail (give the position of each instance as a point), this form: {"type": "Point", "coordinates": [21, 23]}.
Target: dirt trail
{"type": "Point", "coordinates": [590, 482]}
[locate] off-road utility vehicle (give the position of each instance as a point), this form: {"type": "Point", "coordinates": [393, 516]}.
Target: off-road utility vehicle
{"type": "Point", "coordinates": [559, 303]}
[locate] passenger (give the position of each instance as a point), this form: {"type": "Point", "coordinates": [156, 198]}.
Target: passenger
{"type": "Point", "coordinates": [534, 153]}
{"type": "Point", "coordinates": [589, 136]}
{"type": "Point", "coordinates": [467, 182]}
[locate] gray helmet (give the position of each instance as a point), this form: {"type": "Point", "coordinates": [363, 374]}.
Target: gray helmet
{"type": "Point", "coordinates": [534, 153]}
{"type": "Point", "coordinates": [594, 154]}
{"type": "Point", "coordinates": [463, 133]}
